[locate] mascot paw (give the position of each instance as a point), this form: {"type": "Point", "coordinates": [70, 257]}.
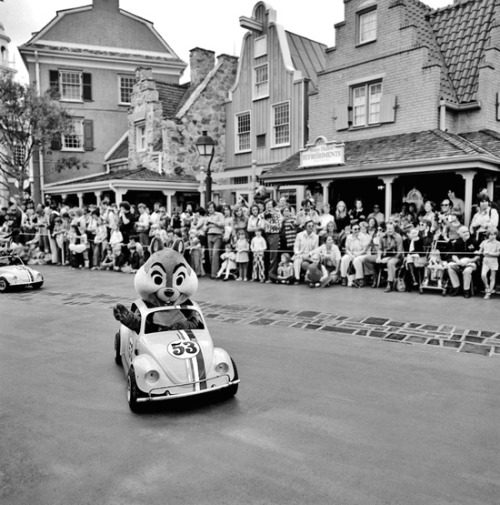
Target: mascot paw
{"type": "Point", "coordinates": [120, 312]}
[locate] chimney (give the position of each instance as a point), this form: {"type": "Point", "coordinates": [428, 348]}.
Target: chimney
{"type": "Point", "coordinates": [107, 5]}
{"type": "Point", "coordinates": [201, 62]}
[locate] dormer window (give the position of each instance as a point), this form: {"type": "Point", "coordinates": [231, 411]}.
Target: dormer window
{"type": "Point", "coordinates": [367, 25]}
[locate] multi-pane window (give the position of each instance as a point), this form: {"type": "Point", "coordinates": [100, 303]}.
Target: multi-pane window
{"type": "Point", "coordinates": [261, 81]}
{"type": "Point", "coordinates": [140, 137]}
{"type": "Point", "coordinates": [281, 119]}
{"type": "Point", "coordinates": [70, 85]}
{"type": "Point", "coordinates": [19, 154]}
{"type": "Point", "coordinates": [366, 104]}
{"type": "Point", "coordinates": [126, 84]}
{"type": "Point", "coordinates": [243, 131]}
{"type": "Point", "coordinates": [72, 139]}
{"type": "Point", "coordinates": [367, 26]}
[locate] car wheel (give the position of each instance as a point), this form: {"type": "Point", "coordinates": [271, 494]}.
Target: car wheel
{"type": "Point", "coordinates": [230, 391]}
{"type": "Point", "coordinates": [37, 285]}
{"type": "Point", "coordinates": [133, 392]}
{"type": "Point", "coordinates": [4, 285]}
{"type": "Point", "coordinates": [118, 356]}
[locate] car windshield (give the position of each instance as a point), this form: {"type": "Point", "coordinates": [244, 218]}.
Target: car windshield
{"type": "Point", "coordinates": [173, 319]}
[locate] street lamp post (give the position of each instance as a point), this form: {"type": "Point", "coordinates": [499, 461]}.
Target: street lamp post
{"type": "Point", "coordinates": [206, 148]}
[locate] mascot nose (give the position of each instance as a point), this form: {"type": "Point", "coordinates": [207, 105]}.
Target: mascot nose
{"type": "Point", "coordinates": [169, 292]}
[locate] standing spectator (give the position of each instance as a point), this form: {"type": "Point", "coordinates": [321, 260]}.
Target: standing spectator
{"type": "Point", "coordinates": [258, 246]}
{"type": "Point", "coordinates": [390, 254]}
{"type": "Point", "coordinates": [228, 225]}
{"type": "Point", "coordinates": [195, 250]}
{"type": "Point", "coordinates": [457, 204]}
{"type": "Point", "coordinates": [100, 239]}
{"type": "Point", "coordinates": [215, 229]}
{"type": "Point", "coordinates": [283, 204]}
{"type": "Point", "coordinates": [240, 221]}
{"type": "Point", "coordinates": [125, 221]}
{"type": "Point", "coordinates": [465, 258]}
{"type": "Point", "coordinates": [154, 218]}
{"type": "Point", "coordinates": [485, 218]}
{"type": "Point", "coordinates": [490, 250]}
{"type": "Point", "coordinates": [305, 214]}
{"type": "Point", "coordinates": [342, 218]}
{"type": "Point", "coordinates": [444, 212]}
{"type": "Point", "coordinates": [357, 214]}
{"type": "Point", "coordinates": [91, 230]}
{"type": "Point", "coordinates": [242, 248]}
{"type": "Point", "coordinates": [271, 221]}
{"type": "Point", "coordinates": [142, 225]}
{"type": "Point", "coordinates": [254, 221]}
{"type": "Point", "coordinates": [59, 234]}
{"type": "Point", "coordinates": [288, 231]}
{"type": "Point", "coordinates": [53, 214]}
{"type": "Point", "coordinates": [305, 242]}
{"type": "Point", "coordinates": [77, 246]}
{"type": "Point", "coordinates": [42, 224]}
{"type": "Point", "coordinates": [376, 214]}
{"type": "Point", "coordinates": [324, 218]}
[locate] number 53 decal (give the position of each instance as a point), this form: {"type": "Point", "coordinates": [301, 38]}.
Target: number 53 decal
{"type": "Point", "coordinates": [183, 349]}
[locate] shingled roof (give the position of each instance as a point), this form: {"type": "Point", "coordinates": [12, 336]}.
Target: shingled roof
{"type": "Point", "coordinates": [418, 146]}
{"type": "Point", "coordinates": [463, 31]}
{"type": "Point", "coordinates": [172, 96]}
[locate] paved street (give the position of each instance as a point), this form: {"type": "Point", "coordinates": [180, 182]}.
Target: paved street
{"type": "Point", "coordinates": [347, 396]}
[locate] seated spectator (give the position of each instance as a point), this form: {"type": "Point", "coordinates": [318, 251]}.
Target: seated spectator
{"type": "Point", "coordinates": [457, 204]}
{"type": "Point", "coordinates": [465, 258]}
{"type": "Point", "coordinates": [434, 269]}
{"type": "Point", "coordinates": [414, 252]}
{"type": "Point", "coordinates": [490, 251]}
{"type": "Point", "coordinates": [330, 257]}
{"type": "Point", "coordinates": [305, 242]}
{"type": "Point", "coordinates": [369, 260]}
{"type": "Point", "coordinates": [357, 244]}
{"type": "Point", "coordinates": [316, 274]}
{"type": "Point", "coordinates": [285, 270]}
{"type": "Point", "coordinates": [342, 218]}
{"type": "Point", "coordinates": [450, 228]}
{"type": "Point", "coordinates": [390, 255]}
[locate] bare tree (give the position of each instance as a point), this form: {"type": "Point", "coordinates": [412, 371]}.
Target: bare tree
{"type": "Point", "coordinates": [28, 121]}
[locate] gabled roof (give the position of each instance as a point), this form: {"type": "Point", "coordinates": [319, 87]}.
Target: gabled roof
{"type": "Point", "coordinates": [462, 31]}
{"type": "Point", "coordinates": [373, 153]}
{"type": "Point", "coordinates": [308, 56]}
{"type": "Point", "coordinates": [90, 30]}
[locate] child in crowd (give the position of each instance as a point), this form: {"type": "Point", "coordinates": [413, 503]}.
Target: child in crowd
{"type": "Point", "coordinates": [242, 248]}
{"type": "Point", "coordinates": [285, 270]}
{"type": "Point", "coordinates": [59, 234]}
{"type": "Point", "coordinates": [100, 239]}
{"type": "Point", "coordinates": [258, 245]}
{"type": "Point", "coordinates": [490, 250]}
{"type": "Point", "coordinates": [228, 263]}
{"type": "Point", "coordinates": [434, 269]}
{"type": "Point", "coordinates": [108, 261]}
{"type": "Point", "coordinates": [317, 274]}
{"type": "Point", "coordinates": [77, 246]}
{"type": "Point", "coordinates": [196, 253]}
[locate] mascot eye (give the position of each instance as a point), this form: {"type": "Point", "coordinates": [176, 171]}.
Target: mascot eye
{"type": "Point", "coordinates": [180, 279]}
{"type": "Point", "coordinates": [158, 279]}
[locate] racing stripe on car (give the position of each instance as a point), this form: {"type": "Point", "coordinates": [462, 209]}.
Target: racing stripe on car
{"type": "Point", "coordinates": [28, 271]}
{"type": "Point", "coordinates": [200, 361]}
{"type": "Point", "coordinates": [192, 369]}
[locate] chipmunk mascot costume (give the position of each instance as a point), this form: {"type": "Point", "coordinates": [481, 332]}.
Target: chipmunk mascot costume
{"type": "Point", "coordinates": [165, 279]}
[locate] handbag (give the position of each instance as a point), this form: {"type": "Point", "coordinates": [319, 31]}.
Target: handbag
{"type": "Point", "coordinates": [400, 284]}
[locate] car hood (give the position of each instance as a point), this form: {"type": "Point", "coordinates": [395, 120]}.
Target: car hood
{"type": "Point", "coordinates": [184, 368]}
{"type": "Point", "coordinates": [21, 272]}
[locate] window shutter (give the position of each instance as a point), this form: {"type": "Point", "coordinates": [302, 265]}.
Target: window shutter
{"type": "Point", "coordinates": [88, 135]}
{"type": "Point", "coordinates": [54, 81]}
{"type": "Point", "coordinates": [388, 108]}
{"type": "Point", "coordinates": [87, 87]}
{"type": "Point", "coordinates": [342, 120]}
{"type": "Point", "coordinates": [55, 143]}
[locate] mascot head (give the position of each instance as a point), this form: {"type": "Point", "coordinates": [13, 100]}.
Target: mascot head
{"type": "Point", "coordinates": [166, 279]}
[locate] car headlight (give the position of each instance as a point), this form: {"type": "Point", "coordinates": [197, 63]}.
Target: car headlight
{"type": "Point", "coordinates": [222, 368]}
{"type": "Point", "coordinates": [152, 376]}
{"type": "Point", "coordinates": [38, 275]}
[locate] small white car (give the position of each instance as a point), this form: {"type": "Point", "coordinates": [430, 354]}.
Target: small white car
{"type": "Point", "coordinates": [162, 363]}
{"type": "Point", "coordinates": [14, 273]}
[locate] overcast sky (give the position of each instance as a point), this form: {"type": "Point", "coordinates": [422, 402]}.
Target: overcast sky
{"type": "Point", "coordinates": [185, 24]}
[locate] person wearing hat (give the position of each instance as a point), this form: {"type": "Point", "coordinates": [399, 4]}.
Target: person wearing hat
{"type": "Point", "coordinates": [125, 221]}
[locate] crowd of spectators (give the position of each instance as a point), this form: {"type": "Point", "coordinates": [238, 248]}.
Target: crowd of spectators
{"type": "Point", "coordinates": [272, 242]}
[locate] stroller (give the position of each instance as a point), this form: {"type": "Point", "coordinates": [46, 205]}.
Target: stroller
{"type": "Point", "coordinates": [435, 272]}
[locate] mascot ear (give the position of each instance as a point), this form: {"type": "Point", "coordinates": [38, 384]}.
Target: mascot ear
{"type": "Point", "coordinates": [178, 246]}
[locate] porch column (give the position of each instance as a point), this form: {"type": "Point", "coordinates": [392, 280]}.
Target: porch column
{"type": "Point", "coordinates": [490, 186]}
{"type": "Point", "coordinates": [388, 180]}
{"type": "Point", "coordinates": [169, 193]}
{"type": "Point", "coordinates": [468, 176]}
{"type": "Point", "coordinates": [118, 195]}
{"type": "Point", "coordinates": [98, 197]}
{"type": "Point", "coordinates": [325, 186]}
{"type": "Point", "coordinates": [80, 199]}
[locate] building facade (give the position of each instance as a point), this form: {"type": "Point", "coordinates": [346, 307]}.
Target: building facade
{"type": "Point", "coordinates": [267, 111]}
{"type": "Point", "coordinates": [409, 99]}
{"type": "Point", "coordinates": [88, 56]}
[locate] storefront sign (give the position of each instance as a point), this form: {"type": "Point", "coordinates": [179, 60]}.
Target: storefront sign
{"type": "Point", "coordinates": [322, 153]}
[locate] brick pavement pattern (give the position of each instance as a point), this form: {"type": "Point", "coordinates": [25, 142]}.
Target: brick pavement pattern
{"type": "Point", "coordinates": [480, 342]}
